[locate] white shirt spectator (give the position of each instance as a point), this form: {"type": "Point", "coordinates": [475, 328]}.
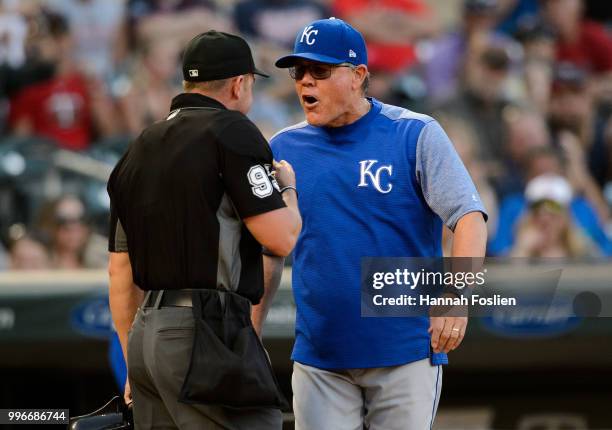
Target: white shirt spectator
{"type": "Point", "coordinates": [95, 25]}
{"type": "Point", "coordinates": [13, 31]}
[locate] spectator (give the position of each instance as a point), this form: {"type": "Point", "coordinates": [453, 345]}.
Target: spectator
{"type": "Point", "coordinates": [571, 104]}
{"type": "Point", "coordinates": [390, 27]}
{"type": "Point", "coordinates": [445, 56]}
{"type": "Point", "coordinates": [482, 102]}
{"type": "Point", "coordinates": [580, 132]}
{"type": "Point", "coordinates": [514, 13]}
{"type": "Point", "coordinates": [545, 161]}
{"type": "Point", "coordinates": [96, 26]}
{"type": "Point", "coordinates": [579, 176]}
{"type": "Point", "coordinates": [582, 42]}
{"type": "Point", "coordinates": [538, 39]}
{"type": "Point", "coordinates": [38, 61]}
{"type": "Point", "coordinates": [538, 42]}
{"type": "Point", "coordinates": [66, 108]}
{"type": "Point", "coordinates": [276, 21]}
{"type": "Point", "coordinates": [527, 131]}
{"type": "Point", "coordinates": [145, 95]}
{"type": "Point", "coordinates": [171, 20]}
{"type": "Point", "coordinates": [28, 253]}
{"type": "Point", "coordinates": [19, 66]}
{"type": "Point", "coordinates": [546, 229]}
{"type": "Point", "coordinates": [71, 243]}
{"type": "Point", "coordinates": [13, 32]}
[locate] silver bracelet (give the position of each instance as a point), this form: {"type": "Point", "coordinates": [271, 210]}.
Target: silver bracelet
{"type": "Point", "coordinates": [289, 187]}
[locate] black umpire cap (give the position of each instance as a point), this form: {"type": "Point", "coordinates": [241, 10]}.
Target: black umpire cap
{"type": "Point", "coordinates": [216, 55]}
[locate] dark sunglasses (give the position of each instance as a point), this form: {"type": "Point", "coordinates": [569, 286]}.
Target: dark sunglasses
{"type": "Point", "coordinates": [317, 71]}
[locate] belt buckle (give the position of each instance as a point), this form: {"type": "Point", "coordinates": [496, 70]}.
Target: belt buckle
{"type": "Point", "coordinates": [184, 299]}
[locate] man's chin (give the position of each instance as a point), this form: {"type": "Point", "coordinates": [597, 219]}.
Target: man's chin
{"type": "Point", "coordinates": [314, 119]}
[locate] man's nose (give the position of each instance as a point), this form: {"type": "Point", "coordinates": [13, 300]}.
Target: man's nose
{"type": "Point", "coordinates": [307, 79]}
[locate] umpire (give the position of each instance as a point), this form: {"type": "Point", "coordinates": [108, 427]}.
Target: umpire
{"type": "Point", "coordinates": [193, 200]}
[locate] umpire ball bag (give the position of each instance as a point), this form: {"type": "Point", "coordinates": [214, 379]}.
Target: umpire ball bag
{"type": "Point", "coordinates": [229, 365]}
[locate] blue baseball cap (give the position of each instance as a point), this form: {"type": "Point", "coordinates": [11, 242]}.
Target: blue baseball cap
{"type": "Point", "coordinates": [330, 41]}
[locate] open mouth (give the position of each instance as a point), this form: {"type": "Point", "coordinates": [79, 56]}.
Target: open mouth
{"type": "Point", "coordinates": [309, 101]}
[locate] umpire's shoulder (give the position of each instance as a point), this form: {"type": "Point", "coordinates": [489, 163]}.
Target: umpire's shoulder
{"type": "Point", "coordinates": [237, 133]}
{"type": "Point", "coordinates": [226, 120]}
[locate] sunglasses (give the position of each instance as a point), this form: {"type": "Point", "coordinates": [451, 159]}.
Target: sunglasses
{"type": "Point", "coordinates": [317, 71]}
{"type": "Point", "coordinates": [549, 205]}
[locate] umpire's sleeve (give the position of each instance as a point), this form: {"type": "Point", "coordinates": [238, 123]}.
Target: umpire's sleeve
{"type": "Point", "coordinates": [445, 182]}
{"type": "Point", "coordinates": [246, 166]}
{"type": "Point", "coordinates": [117, 239]}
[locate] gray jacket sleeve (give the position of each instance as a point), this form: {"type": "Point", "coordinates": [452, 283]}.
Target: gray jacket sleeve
{"type": "Point", "coordinates": [445, 182]}
{"type": "Point", "coordinates": [118, 239]}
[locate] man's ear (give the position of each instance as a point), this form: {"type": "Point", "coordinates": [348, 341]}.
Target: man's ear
{"type": "Point", "coordinates": [361, 72]}
{"type": "Point", "coordinates": [236, 86]}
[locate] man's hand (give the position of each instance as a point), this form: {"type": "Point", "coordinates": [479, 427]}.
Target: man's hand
{"type": "Point", "coordinates": [273, 271]}
{"type": "Point", "coordinates": [284, 174]}
{"type": "Point", "coordinates": [127, 394]}
{"type": "Point", "coordinates": [469, 240]}
{"type": "Point", "coordinates": [124, 298]}
{"type": "Point", "coordinates": [257, 326]}
{"type": "Point", "coordinates": [446, 332]}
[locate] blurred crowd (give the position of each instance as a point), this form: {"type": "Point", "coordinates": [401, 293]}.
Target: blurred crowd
{"type": "Point", "coordinates": [522, 87]}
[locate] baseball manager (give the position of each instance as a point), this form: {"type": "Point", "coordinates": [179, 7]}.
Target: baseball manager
{"type": "Point", "coordinates": [374, 180]}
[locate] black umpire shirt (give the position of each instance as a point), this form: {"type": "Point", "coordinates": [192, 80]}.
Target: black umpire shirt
{"type": "Point", "coordinates": [178, 196]}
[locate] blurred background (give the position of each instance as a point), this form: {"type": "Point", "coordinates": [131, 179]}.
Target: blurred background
{"type": "Point", "coordinates": [522, 87]}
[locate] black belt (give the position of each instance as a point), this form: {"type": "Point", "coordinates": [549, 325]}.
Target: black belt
{"type": "Point", "coordinates": [165, 298]}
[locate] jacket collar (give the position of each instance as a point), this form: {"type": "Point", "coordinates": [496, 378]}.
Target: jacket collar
{"type": "Point", "coordinates": [185, 100]}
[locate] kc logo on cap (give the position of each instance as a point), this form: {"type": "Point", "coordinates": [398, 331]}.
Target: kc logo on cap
{"type": "Point", "coordinates": [307, 33]}
{"type": "Point", "coordinates": [330, 41]}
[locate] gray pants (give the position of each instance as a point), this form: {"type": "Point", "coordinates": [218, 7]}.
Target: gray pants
{"type": "Point", "coordinates": [390, 398]}
{"type": "Point", "coordinates": [159, 352]}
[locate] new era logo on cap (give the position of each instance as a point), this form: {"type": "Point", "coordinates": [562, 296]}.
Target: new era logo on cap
{"type": "Point", "coordinates": [193, 73]}
{"type": "Point", "coordinates": [352, 54]}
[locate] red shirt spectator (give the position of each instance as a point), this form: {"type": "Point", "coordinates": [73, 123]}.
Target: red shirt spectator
{"type": "Point", "coordinates": [389, 27]}
{"type": "Point", "coordinates": [592, 49]}
{"type": "Point", "coordinates": [57, 109]}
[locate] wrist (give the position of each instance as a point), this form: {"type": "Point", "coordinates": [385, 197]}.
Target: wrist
{"type": "Point", "coordinates": [290, 198]}
{"type": "Point", "coordinates": [289, 189]}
